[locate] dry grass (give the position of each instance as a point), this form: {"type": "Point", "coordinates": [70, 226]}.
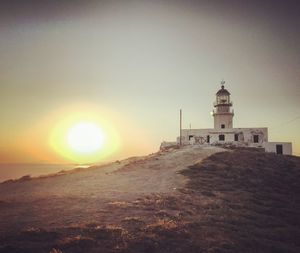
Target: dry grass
{"type": "Point", "coordinates": [239, 201]}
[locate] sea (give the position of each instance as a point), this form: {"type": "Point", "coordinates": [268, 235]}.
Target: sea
{"type": "Point", "coordinates": [15, 171]}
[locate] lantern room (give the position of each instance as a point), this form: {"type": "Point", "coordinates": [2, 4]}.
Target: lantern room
{"type": "Point", "coordinates": [223, 96]}
{"type": "Point", "coordinates": [222, 114]}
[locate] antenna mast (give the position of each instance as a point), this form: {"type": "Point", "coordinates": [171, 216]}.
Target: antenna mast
{"type": "Point", "coordinates": [180, 141]}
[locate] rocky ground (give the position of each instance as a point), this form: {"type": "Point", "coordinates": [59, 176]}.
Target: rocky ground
{"type": "Point", "coordinates": [183, 200]}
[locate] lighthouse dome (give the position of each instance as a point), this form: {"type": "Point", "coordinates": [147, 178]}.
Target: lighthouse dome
{"type": "Point", "coordinates": [222, 91]}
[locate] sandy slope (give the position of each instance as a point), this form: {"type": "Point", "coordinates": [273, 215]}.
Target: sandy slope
{"type": "Point", "coordinates": [239, 201]}
{"type": "Point", "coordinates": [83, 196]}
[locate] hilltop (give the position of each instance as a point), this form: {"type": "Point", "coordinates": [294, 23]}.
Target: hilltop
{"type": "Point", "coordinates": [192, 199]}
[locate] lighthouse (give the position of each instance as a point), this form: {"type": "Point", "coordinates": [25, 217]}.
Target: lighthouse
{"type": "Point", "coordinates": [222, 113]}
{"type": "Point", "coordinates": [223, 132]}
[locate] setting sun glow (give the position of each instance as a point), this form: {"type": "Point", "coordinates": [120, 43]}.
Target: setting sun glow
{"type": "Point", "coordinates": [85, 137]}
{"type": "Point", "coordinates": [80, 135]}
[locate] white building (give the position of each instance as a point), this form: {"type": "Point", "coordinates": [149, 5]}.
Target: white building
{"type": "Point", "coordinates": [224, 133]}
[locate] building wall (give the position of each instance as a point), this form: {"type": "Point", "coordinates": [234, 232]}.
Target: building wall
{"type": "Point", "coordinates": [245, 138]}
{"type": "Point", "coordinates": [245, 135]}
{"type": "Point", "coordinates": [228, 137]}
{"type": "Point", "coordinates": [249, 134]}
{"type": "Point", "coordinates": [271, 147]}
{"type": "Point", "coordinates": [166, 144]}
{"type": "Point", "coordinates": [194, 135]}
{"type": "Point", "coordinates": [223, 118]}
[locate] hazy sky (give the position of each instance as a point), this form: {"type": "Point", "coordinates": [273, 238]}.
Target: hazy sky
{"type": "Point", "coordinates": [136, 63]}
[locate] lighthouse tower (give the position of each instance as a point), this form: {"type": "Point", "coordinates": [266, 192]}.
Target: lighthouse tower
{"type": "Point", "coordinates": [223, 115]}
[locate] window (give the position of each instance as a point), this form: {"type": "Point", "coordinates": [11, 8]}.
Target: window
{"type": "Point", "coordinates": [255, 138]}
{"type": "Point", "coordinates": [221, 137]}
{"type": "Point", "coordinates": [223, 126]}
{"type": "Point", "coordinates": [190, 137]}
{"type": "Point", "coordinates": [236, 137]}
{"type": "Point", "coordinates": [207, 138]}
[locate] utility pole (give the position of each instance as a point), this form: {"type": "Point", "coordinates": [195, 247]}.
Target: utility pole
{"type": "Point", "coordinates": [180, 141]}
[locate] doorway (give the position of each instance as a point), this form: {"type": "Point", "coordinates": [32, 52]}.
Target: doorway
{"type": "Point", "coordinates": [279, 149]}
{"type": "Point", "coordinates": [236, 137]}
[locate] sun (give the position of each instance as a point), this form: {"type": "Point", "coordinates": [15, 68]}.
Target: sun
{"type": "Point", "coordinates": [84, 134]}
{"type": "Point", "coordinates": [85, 137]}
